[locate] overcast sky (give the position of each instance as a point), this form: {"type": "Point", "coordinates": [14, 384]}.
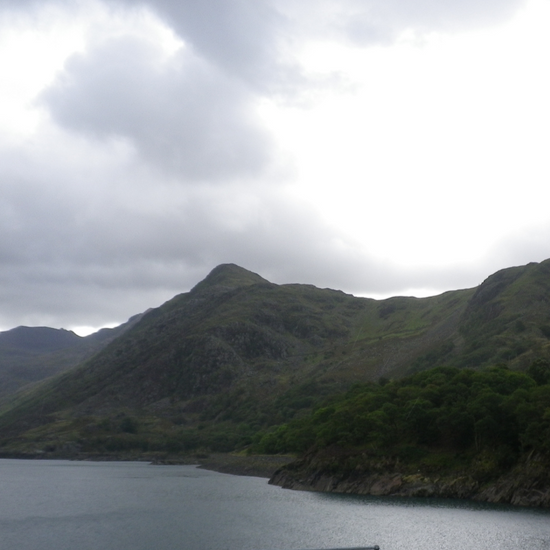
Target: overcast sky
{"type": "Point", "coordinates": [380, 147]}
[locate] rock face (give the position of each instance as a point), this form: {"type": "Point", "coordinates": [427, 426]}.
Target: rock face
{"type": "Point", "coordinates": [526, 485]}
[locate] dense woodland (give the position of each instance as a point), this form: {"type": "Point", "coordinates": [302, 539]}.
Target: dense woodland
{"type": "Point", "coordinates": [495, 413]}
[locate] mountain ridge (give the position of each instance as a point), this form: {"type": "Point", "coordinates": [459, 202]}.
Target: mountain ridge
{"type": "Point", "coordinates": [38, 338]}
{"type": "Point", "coordinates": [237, 354]}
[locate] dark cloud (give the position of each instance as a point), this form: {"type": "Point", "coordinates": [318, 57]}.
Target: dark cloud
{"type": "Point", "coordinates": [180, 113]}
{"type": "Point", "coordinates": [241, 36]}
{"type": "Point", "coordinates": [245, 37]}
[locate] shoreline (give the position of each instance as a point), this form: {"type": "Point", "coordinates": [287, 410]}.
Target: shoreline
{"type": "Point", "coordinates": [518, 488]}
{"type": "Point", "coordinates": [263, 466]}
{"type": "Point", "coordinates": [240, 465]}
{"type": "Point", "coordinates": [255, 465]}
{"type": "Point", "coordinates": [526, 485]}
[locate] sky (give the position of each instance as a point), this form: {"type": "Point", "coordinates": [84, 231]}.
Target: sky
{"type": "Point", "coordinates": [379, 147]}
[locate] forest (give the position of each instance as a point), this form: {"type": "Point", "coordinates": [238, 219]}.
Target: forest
{"type": "Point", "coordinates": [443, 413]}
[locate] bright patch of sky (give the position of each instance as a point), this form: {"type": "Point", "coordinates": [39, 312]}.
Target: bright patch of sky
{"type": "Point", "coordinates": [432, 150]}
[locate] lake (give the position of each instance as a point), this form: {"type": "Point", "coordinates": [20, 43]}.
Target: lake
{"type": "Point", "coordinates": [63, 505]}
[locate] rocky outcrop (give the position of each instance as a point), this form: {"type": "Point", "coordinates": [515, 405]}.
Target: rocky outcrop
{"type": "Point", "coordinates": [528, 484]}
{"type": "Point", "coordinates": [379, 484]}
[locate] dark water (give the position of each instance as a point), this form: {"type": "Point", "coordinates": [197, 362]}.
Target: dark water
{"type": "Point", "coordinates": [46, 505]}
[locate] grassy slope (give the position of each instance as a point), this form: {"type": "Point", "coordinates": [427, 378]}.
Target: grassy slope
{"type": "Point", "coordinates": [508, 319]}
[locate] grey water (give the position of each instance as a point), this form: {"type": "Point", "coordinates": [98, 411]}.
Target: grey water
{"type": "Point", "coordinates": [62, 505]}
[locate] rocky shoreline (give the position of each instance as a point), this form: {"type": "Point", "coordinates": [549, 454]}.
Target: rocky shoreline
{"type": "Point", "coordinates": [527, 484]}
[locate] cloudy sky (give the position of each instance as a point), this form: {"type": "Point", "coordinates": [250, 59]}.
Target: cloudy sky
{"type": "Point", "coordinates": [380, 147]}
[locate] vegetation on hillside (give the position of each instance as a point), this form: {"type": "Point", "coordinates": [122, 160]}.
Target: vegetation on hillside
{"type": "Point", "coordinates": [494, 415]}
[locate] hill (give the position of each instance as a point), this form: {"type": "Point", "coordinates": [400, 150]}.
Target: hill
{"type": "Point", "coordinates": [217, 367]}
{"type": "Point", "coordinates": [31, 354]}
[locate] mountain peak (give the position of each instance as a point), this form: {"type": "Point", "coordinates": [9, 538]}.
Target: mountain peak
{"type": "Point", "coordinates": [229, 276]}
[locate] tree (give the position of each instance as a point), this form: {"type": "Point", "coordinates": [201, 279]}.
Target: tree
{"type": "Point", "coordinates": [539, 371]}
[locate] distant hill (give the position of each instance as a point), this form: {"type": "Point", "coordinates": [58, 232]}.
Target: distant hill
{"type": "Point", "coordinates": [38, 339]}
{"type": "Point", "coordinates": [217, 366]}
{"type": "Point", "coordinates": [31, 354]}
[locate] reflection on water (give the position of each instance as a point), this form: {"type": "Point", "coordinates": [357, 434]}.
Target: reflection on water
{"type": "Point", "coordinates": [432, 503]}
{"type": "Point", "coordinates": [67, 505]}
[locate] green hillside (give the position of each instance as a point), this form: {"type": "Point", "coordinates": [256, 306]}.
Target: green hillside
{"type": "Point", "coordinates": [31, 354]}
{"type": "Point", "coordinates": [220, 366]}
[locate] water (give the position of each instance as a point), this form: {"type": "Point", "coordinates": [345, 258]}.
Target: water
{"type": "Point", "coordinates": [47, 505]}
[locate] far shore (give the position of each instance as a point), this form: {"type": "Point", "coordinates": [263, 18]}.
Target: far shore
{"type": "Point", "coordinates": [226, 463]}
{"type": "Point", "coordinates": [236, 464]}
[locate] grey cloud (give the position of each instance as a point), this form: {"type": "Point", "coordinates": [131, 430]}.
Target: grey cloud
{"type": "Point", "coordinates": [73, 257]}
{"type": "Point", "coordinates": [250, 39]}
{"type": "Point", "coordinates": [182, 114]}
{"type": "Point", "coordinates": [193, 115]}
{"type": "Point", "coordinates": [245, 37]}
{"type": "Point", "coordinates": [241, 36]}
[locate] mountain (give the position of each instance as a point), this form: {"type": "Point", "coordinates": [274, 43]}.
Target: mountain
{"type": "Point", "coordinates": [38, 339]}
{"type": "Point", "coordinates": [219, 365]}
{"type": "Point", "coordinates": [31, 354]}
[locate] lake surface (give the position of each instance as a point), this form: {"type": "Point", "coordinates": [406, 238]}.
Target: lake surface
{"type": "Point", "coordinates": [62, 505]}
